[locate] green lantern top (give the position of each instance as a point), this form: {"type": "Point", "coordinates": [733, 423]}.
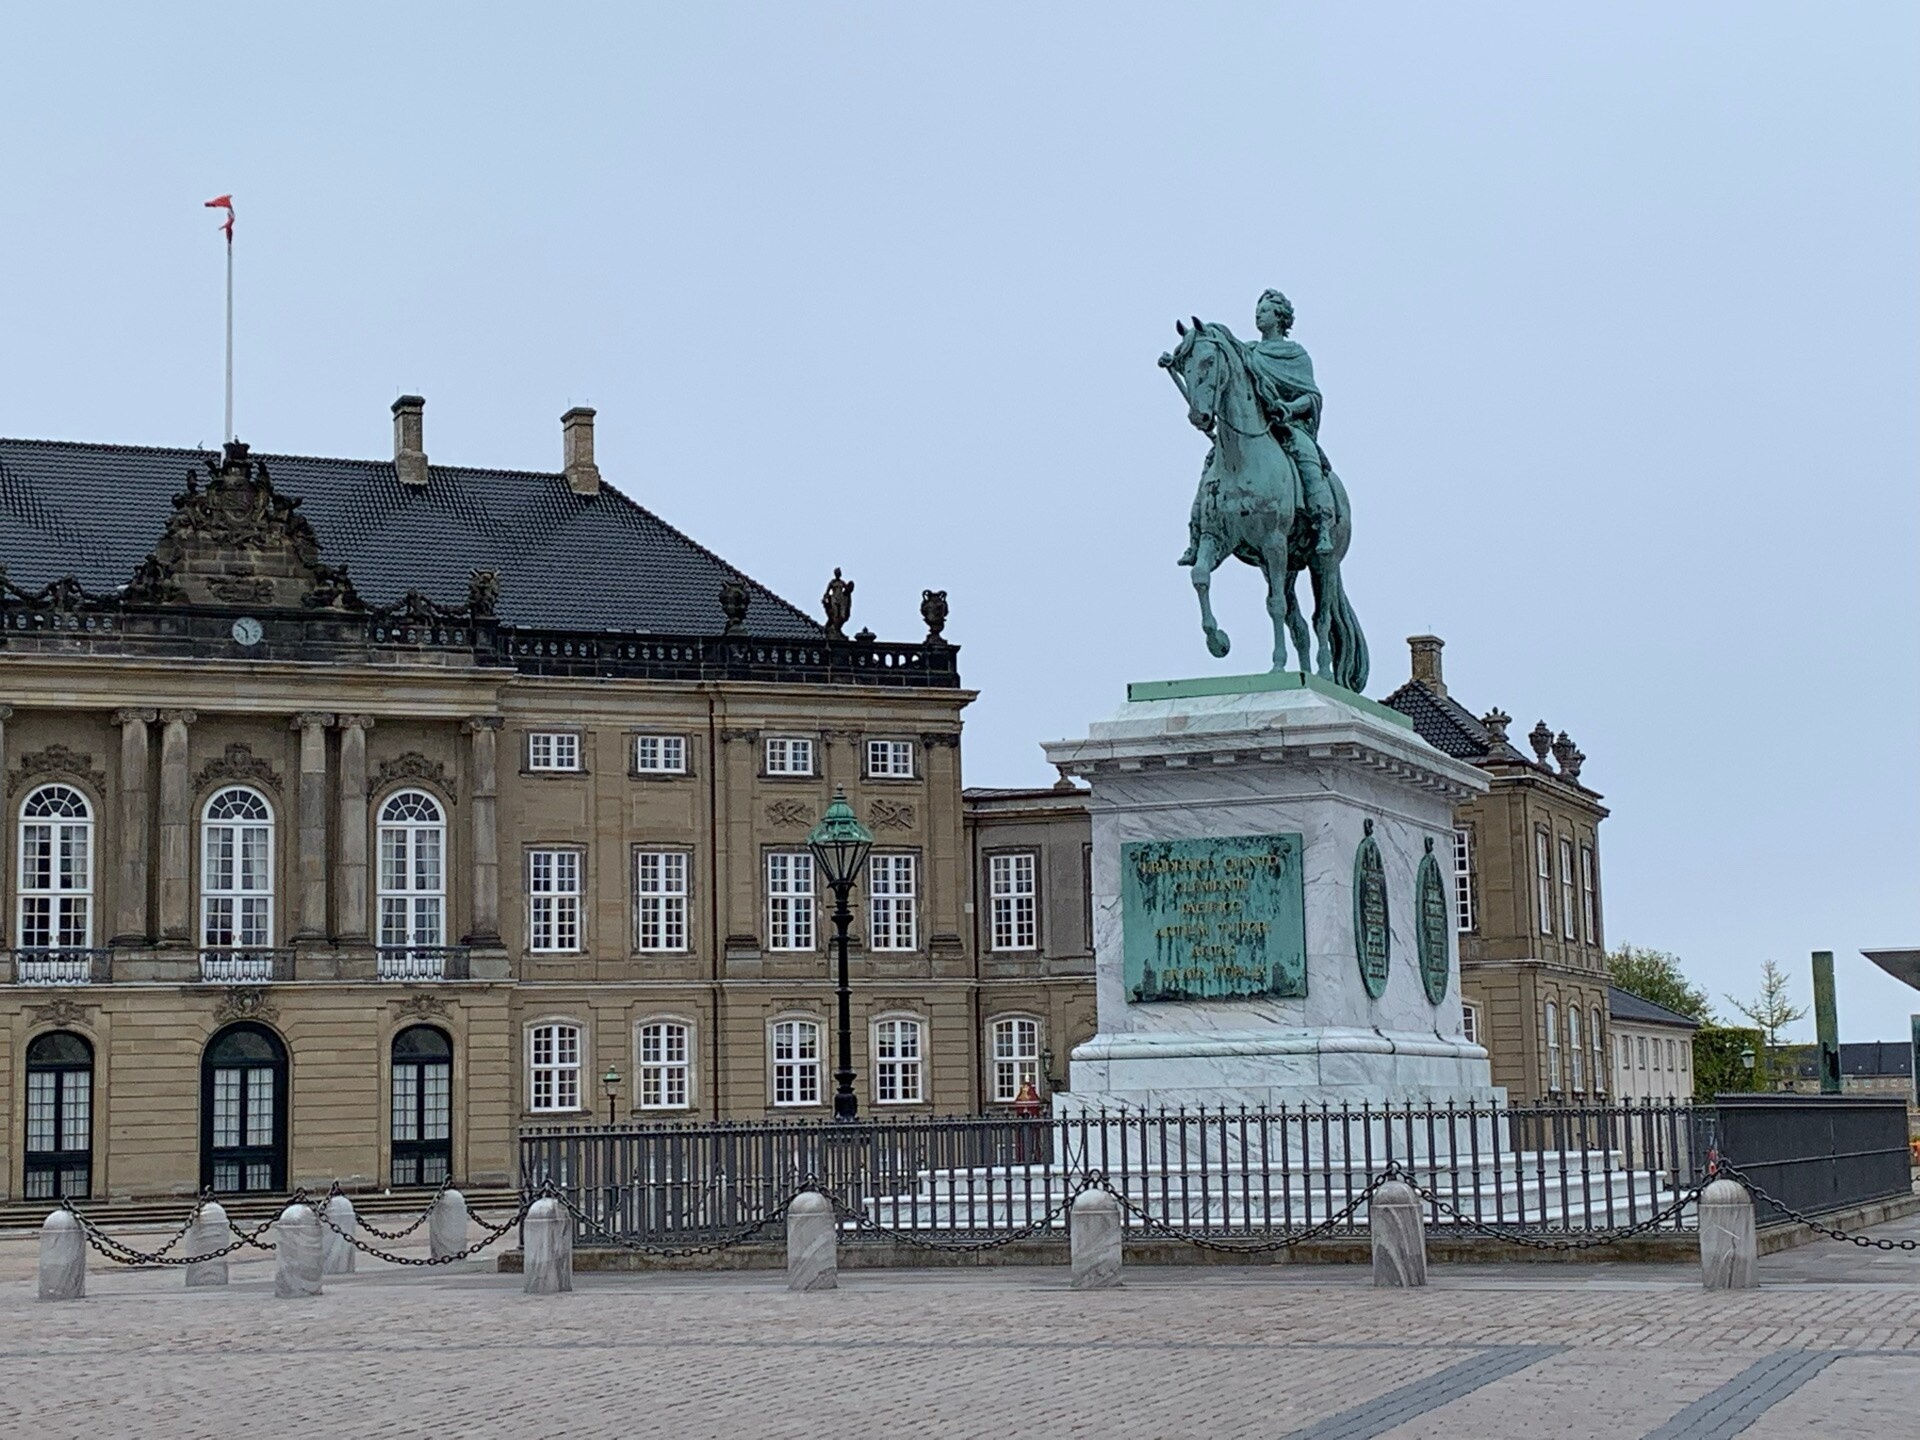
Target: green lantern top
{"type": "Point", "coordinates": [840, 842]}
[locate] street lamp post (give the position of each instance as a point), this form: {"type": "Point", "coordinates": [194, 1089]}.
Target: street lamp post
{"type": "Point", "coordinates": [612, 1081]}
{"type": "Point", "coordinates": [840, 845]}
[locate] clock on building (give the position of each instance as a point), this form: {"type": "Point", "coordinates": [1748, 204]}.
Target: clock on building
{"type": "Point", "coordinates": [247, 631]}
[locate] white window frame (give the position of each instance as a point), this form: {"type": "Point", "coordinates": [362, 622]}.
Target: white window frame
{"type": "Point", "coordinates": [1640, 1047]}
{"type": "Point", "coordinates": [796, 1064]}
{"type": "Point", "coordinates": [661, 889]}
{"type": "Point", "coordinates": [891, 760]}
{"type": "Point", "coordinates": [1543, 877]}
{"type": "Point", "coordinates": [790, 755]}
{"type": "Point", "coordinates": [1013, 1055]}
{"type": "Point", "coordinates": [1597, 1043]}
{"type": "Point", "coordinates": [419, 900]}
{"type": "Point", "coordinates": [899, 1049]}
{"type": "Point", "coordinates": [1569, 911]}
{"type": "Point", "coordinates": [1576, 1050]}
{"type": "Point", "coordinates": [660, 754]}
{"type": "Point", "coordinates": [556, 881]}
{"type": "Point", "coordinates": [1553, 1048]}
{"type": "Point", "coordinates": [62, 909]}
{"type": "Point", "coordinates": [556, 1057]}
{"type": "Point", "coordinates": [1463, 915]}
{"type": "Point", "coordinates": [793, 901]}
{"type": "Point", "coordinates": [250, 906]}
{"type": "Point", "coordinates": [553, 751]}
{"type": "Point", "coordinates": [1470, 1021]}
{"type": "Point", "coordinates": [893, 901]}
{"type": "Point", "coordinates": [1589, 896]}
{"type": "Point", "coordinates": [663, 1063]}
{"type": "Point", "coordinates": [1013, 901]}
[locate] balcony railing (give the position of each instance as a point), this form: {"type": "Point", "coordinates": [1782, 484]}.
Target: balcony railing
{"type": "Point", "coordinates": [62, 965]}
{"type": "Point", "coordinates": [422, 962]}
{"type": "Point", "coordinates": [245, 966]}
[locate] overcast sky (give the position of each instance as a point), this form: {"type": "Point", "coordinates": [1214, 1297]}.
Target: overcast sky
{"type": "Point", "coordinates": [1615, 308]}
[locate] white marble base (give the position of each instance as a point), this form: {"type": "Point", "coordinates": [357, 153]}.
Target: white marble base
{"type": "Point", "coordinates": [1291, 761]}
{"type": "Point", "coordinates": [1729, 1248]}
{"type": "Point", "coordinates": [447, 1225]}
{"type": "Point", "coordinates": [296, 1253]}
{"type": "Point", "coordinates": [1398, 1231]}
{"type": "Point", "coordinates": [63, 1258]}
{"type": "Point", "coordinates": [547, 1256]}
{"type": "Point", "coordinates": [336, 1251]}
{"type": "Point", "coordinates": [813, 1244]}
{"type": "Point", "coordinates": [1095, 1240]}
{"type": "Point", "coordinates": [211, 1231]}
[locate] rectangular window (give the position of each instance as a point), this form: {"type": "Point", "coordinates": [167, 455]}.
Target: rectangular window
{"type": "Point", "coordinates": [787, 755]}
{"type": "Point", "coordinates": [1575, 1049]}
{"type": "Point", "coordinates": [1462, 879]}
{"type": "Point", "coordinates": [1641, 1046]}
{"type": "Point", "coordinates": [1589, 899]}
{"type": "Point", "coordinates": [1015, 1052]}
{"type": "Point", "coordinates": [1568, 915]}
{"type": "Point", "coordinates": [896, 1062]}
{"type": "Point", "coordinates": [1686, 1056]}
{"type": "Point", "coordinates": [1012, 891]}
{"type": "Point", "coordinates": [553, 900]}
{"type": "Point", "coordinates": [1543, 879]}
{"type": "Point", "coordinates": [665, 1065]}
{"type": "Point", "coordinates": [1470, 1023]}
{"type": "Point", "coordinates": [891, 907]}
{"type": "Point", "coordinates": [1598, 1043]}
{"type": "Point", "coordinates": [553, 1067]}
{"type": "Point", "coordinates": [660, 754]}
{"type": "Point", "coordinates": [1553, 1047]}
{"type": "Point", "coordinates": [1626, 1060]}
{"type": "Point", "coordinates": [890, 759]}
{"type": "Point", "coordinates": [789, 900]}
{"type": "Point", "coordinates": [553, 750]}
{"type": "Point", "coordinates": [796, 1062]}
{"type": "Point", "coordinates": [660, 900]}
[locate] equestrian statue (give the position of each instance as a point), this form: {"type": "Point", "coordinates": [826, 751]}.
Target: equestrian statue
{"type": "Point", "coordinates": [1267, 493]}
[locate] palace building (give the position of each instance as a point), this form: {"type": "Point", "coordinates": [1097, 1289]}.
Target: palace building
{"type": "Point", "coordinates": [364, 812]}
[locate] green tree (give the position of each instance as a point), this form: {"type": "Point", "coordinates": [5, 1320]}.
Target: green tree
{"type": "Point", "coordinates": [1772, 1010]}
{"type": "Point", "coordinates": [1655, 975]}
{"type": "Point", "coordinates": [1719, 1069]}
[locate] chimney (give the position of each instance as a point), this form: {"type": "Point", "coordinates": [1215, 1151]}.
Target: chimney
{"type": "Point", "coordinates": [576, 448]}
{"type": "Point", "coordinates": [1426, 662]}
{"type": "Point", "coordinates": [409, 448]}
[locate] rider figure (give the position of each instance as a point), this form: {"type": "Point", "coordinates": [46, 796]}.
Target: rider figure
{"type": "Point", "coordinates": [1283, 379]}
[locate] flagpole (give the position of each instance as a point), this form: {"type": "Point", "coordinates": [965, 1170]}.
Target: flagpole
{"type": "Point", "coordinates": [229, 435]}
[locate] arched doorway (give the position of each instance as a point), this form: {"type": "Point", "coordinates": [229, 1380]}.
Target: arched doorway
{"type": "Point", "coordinates": [422, 1112]}
{"type": "Point", "coordinates": [59, 1151]}
{"type": "Point", "coordinates": [243, 1111]}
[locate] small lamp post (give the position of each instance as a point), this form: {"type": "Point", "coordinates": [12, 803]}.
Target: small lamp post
{"type": "Point", "coordinates": [612, 1081]}
{"type": "Point", "coordinates": [1746, 1063]}
{"type": "Point", "coordinates": [840, 846]}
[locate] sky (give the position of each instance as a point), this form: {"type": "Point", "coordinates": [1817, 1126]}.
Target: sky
{"type": "Point", "coordinates": [1615, 308]}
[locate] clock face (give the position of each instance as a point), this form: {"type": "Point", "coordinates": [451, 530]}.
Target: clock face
{"type": "Point", "coordinates": [247, 631]}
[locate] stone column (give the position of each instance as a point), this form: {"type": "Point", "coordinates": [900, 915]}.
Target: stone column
{"type": "Point", "coordinates": [63, 1258]}
{"type": "Point", "coordinates": [210, 1233]}
{"type": "Point", "coordinates": [296, 1253]}
{"type": "Point", "coordinates": [485, 839]}
{"type": "Point", "coordinates": [176, 830]}
{"type": "Point", "coordinates": [813, 1258]}
{"type": "Point", "coordinates": [312, 920]}
{"type": "Point", "coordinates": [337, 1222]}
{"type": "Point", "coordinates": [136, 823]}
{"type": "Point", "coordinates": [447, 1226]}
{"type": "Point", "coordinates": [350, 882]}
{"type": "Point", "coordinates": [1729, 1247]}
{"type": "Point", "coordinates": [1094, 1240]}
{"type": "Point", "coordinates": [1397, 1228]}
{"type": "Point", "coordinates": [546, 1255]}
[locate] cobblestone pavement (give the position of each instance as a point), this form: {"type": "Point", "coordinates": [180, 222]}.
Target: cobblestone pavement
{"type": "Point", "coordinates": [1831, 1346]}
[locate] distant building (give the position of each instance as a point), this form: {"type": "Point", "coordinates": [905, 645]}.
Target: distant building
{"type": "Point", "coordinates": [1867, 1067]}
{"type": "Point", "coordinates": [1652, 1049]}
{"type": "Point", "coordinates": [1527, 894]}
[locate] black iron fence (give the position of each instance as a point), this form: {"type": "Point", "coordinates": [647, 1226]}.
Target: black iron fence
{"type": "Point", "coordinates": [1815, 1153]}
{"type": "Point", "coordinates": [1223, 1172]}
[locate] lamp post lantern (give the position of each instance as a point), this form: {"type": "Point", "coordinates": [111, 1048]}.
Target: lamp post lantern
{"type": "Point", "coordinates": [612, 1081]}
{"type": "Point", "coordinates": [840, 845]}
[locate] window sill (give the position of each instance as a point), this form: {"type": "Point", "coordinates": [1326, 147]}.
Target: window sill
{"type": "Point", "coordinates": [531, 774]}
{"type": "Point", "coordinates": [782, 777]}
{"type": "Point", "coordinates": [659, 774]}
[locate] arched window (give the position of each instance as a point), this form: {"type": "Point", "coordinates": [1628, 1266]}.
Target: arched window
{"type": "Point", "coordinates": [243, 1111]}
{"type": "Point", "coordinates": [413, 885]}
{"type": "Point", "coordinates": [59, 1159]}
{"type": "Point", "coordinates": [796, 1062]}
{"type": "Point", "coordinates": [1599, 1048]}
{"type": "Point", "coordinates": [899, 1060]}
{"type": "Point", "coordinates": [56, 870]}
{"type": "Point", "coordinates": [1013, 1049]}
{"type": "Point", "coordinates": [1576, 1048]}
{"type": "Point", "coordinates": [236, 885]}
{"type": "Point", "coordinates": [1553, 1047]}
{"type": "Point", "coordinates": [422, 1123]}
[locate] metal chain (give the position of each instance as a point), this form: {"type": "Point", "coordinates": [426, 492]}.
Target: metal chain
{"type": "Point", "coordinates": [712, 1247]}
{"type": "Point", "coordinates": [1205, 1242]}
{"type": "Point", "coordinates": [400, 1234]}
{"type": "Point", "coordinates": [120, 1253]}
{"type": "Point", "coordinates": [419, 1260]}
{"type": "Point", "coordinates": [860, 1221]}
{"type": "Point", "coordinates": [1584, 1242]}
{"type": "Point", "coordinates": [1865, 1242]}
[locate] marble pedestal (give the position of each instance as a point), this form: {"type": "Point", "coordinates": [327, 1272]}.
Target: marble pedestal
{"type": "Point", "coordinates": [1275, 755]}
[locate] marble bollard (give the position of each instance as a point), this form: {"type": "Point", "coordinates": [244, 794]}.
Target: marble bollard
{"type": "Point", "coordinates": [813, 1244]}
{"type": "Point", "coordinates": [1399, 1233]}
{"type": "Point", "coordinates": [447, 1224]}
{"type": "Point", "coordinates": [63, 1258]}
{"type": "Point", "coordinates": [1729, 1249]}
{"type": "Point", "coordinates": [296, 1253]}
{"type": "Point", "coordinates": [210, 1232]}
{"type": "Point", "coordinates": [1095, 1244]}
{"type": "Point", "coordinates": [547, 1250]}
{"type": "Point", "coordinates": [336, 1251]}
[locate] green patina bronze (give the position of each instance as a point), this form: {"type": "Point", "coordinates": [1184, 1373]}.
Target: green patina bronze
{"type": "Point", "coordinates": [1372, 933]}
{"type": "Point", "coordinates": [1826, 1022]}
{"type": "Point", "coordinates": [1222, 918]}
{"type": "Point", "coordinates": [1431, 915]}
{"type": "Point", "coordinates": [1267, 494]}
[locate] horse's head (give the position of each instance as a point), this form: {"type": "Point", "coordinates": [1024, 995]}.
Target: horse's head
{"type": "Point", "coordinates": [1202, 365]}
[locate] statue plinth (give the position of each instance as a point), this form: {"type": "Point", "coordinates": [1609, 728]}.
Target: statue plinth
{"type": "Point", "coordinates": [1261, 865]}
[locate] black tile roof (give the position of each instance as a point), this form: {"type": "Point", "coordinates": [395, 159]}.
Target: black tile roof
{"type": "Point", "coordinates": [1442, 722]}
{"type": "Point", "coordinates": [1863, 1059]}
{"type": "Point", "coordinates": [1624, 1005]}
{"type": "Point", "coordinates": [565, 561]}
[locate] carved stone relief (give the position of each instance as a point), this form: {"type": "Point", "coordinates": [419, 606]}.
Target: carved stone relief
{"type": "Point", "coordinates": [53, 762]}
{"type": "Point", "coordinates": [788, 813]}
{"type": "Point", "coordinates": [246, 1002]}
{"type": "Point", "coordinates": [890, 815]}
{"type": "Point", "coordinates": [239, 766]}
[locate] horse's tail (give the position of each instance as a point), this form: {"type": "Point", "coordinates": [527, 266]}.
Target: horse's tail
{"type": "Point", "coordinates": [1349, 645]}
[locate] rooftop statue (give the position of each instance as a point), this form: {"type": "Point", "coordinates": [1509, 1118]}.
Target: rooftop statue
{"type": "Point", "coordinates": [1267, 492]}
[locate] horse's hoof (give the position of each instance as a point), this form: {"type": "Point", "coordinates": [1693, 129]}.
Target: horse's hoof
{"type": "Point", "coordinates": [1218, 644]}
